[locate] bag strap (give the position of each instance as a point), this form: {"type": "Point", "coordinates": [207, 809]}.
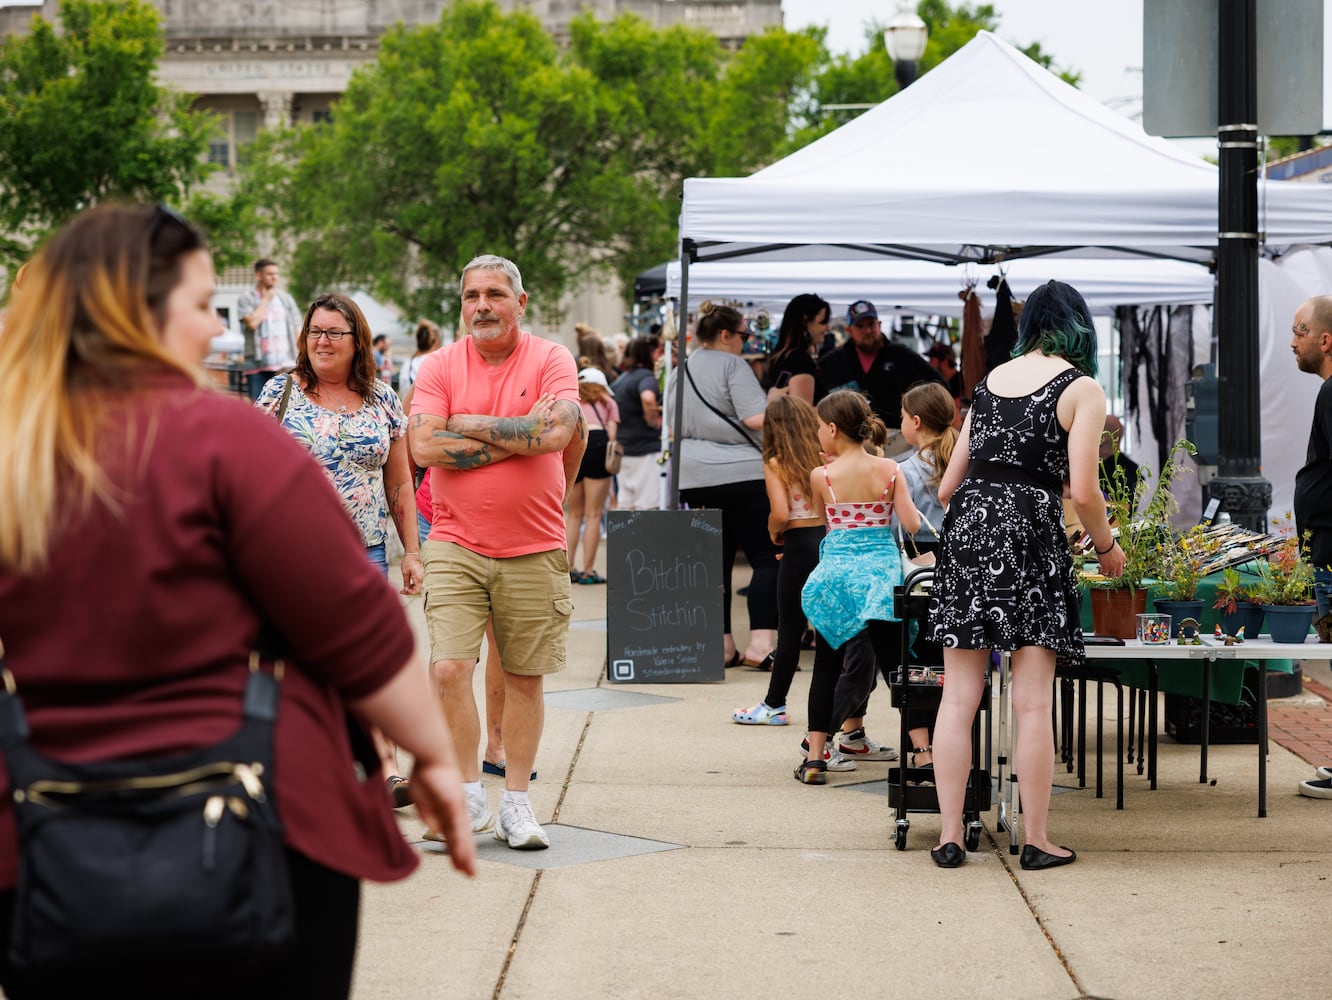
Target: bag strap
{"type": "Point", "coordinates": [911, 538]}
{"type": "Point", "coordinates": [743, 433]}
{"type": "Point", "coordinates": [260, 702]}
{"type": "Point", "coordinates": [597, 414]}
{"type": "Point", "coordinates": [286, 395]}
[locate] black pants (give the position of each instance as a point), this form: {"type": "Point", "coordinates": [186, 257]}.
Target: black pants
{"type": "Point", "coordinates": [744, 508]}
{"type": "Point", "coordinates": [319, 966]}
{"type": "Point", "coordinates": [800, 554]}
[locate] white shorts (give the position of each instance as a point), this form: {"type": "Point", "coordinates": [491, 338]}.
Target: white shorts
{"type": "Point", "coordinates": [639, 480]}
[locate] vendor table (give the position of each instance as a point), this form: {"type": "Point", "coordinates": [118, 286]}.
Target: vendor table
{"type": "Point", "coordinates": [1174, 677]}
{"type": "Point", "coordinates": [1260, 650]}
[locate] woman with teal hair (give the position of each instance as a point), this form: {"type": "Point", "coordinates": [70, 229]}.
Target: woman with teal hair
{"type": "Point", "coordinates": [1004, 578]}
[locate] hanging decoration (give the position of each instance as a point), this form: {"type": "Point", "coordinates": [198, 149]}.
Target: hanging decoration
{"type": "Point", "coordinates": [973, 346]}
{"type": "Point", "coordinates": [1156, 348]}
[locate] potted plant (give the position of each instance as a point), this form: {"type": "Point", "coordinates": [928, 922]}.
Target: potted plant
{"type": "Point", "coordinates": [1140, 514]}
{"type": "Point", "coordinates": [1285, 584]}
{"type": "Point", "coordinates": [1179, 568]}
{"type": "Point", "coordinates": [1237, 606]}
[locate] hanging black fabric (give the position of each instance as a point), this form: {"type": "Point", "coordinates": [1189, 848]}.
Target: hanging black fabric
{"type": "Point", "coordinates": [1002, 338]}
{"type": "Point", "coordinates": [1156, 350]}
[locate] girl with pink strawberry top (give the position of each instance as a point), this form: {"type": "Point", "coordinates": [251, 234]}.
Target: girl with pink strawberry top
{"type": "Point", "coordinates": [859, 563]}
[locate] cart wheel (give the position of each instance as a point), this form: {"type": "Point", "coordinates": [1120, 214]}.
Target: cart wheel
{"type": "Point", "coordinates": [899, 838]}
{"type": "Point", "coordinates": [972, 838]}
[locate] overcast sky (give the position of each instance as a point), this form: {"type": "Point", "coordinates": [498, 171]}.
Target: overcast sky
{"type": "Point", "coordinates": [1101, 39]}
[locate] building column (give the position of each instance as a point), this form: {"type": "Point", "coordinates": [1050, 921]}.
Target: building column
{"type": "Point", "coordinates": [277, 107]}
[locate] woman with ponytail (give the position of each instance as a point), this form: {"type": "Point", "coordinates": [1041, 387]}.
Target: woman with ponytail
{"type": "Point", "coordinates": [859, 565]}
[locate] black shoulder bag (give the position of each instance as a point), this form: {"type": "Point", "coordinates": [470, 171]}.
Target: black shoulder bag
{"type": "Point", "coordinates": [739, 429]}
{"type": "Point", "coordinates": [141, 862]}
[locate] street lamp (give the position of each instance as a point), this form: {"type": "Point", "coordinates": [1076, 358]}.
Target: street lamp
{"type": "Point", "coordinates": [905, 38]}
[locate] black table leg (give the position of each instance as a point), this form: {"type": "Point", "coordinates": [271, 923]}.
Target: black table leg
{"type": "Point", "coordinates": [1206, 717]}
{"type": "Point", "coordinates": [1151, 728]}
{"type": "Point", "coordinates": [1262, 738]}
{"type": "Point", "coordinates": [1133, 702]}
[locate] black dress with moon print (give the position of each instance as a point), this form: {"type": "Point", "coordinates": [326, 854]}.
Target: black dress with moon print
{"type": "Point", "coordinates": [1004, 577]}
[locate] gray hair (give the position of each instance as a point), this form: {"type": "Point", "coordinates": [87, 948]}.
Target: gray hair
{"type": "Point", "coordinates": [493, 262]}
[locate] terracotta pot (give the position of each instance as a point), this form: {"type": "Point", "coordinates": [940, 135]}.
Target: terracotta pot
{"type": "Point", "coordinates": [1290, 622]}
{"type": "Point", "coordinates": [1115, 612]}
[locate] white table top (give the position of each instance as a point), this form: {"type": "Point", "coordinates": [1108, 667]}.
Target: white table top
{"type": "Point", "coordinates": [1261, 648]}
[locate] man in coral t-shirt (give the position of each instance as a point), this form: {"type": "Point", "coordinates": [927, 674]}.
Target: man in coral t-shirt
{"type": "Point", "coordinates": [496, 419]}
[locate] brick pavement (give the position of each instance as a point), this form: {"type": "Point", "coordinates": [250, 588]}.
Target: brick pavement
{"type": "Point", "coordinates": [1304, 726]}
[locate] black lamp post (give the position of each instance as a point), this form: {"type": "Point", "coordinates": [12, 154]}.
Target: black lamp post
{"type": "Point", "coordinates": [905, 38]}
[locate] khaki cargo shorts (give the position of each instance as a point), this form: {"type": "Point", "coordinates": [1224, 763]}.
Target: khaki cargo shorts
{"type": "Point", "coordinates": [528, 596]}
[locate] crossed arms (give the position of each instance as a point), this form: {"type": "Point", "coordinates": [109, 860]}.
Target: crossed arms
{"type": "Point", "coordinates": [468, 441]}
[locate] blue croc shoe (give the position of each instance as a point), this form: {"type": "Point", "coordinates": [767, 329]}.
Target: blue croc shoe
{"type": "Point", "coordinates": [761, 715]}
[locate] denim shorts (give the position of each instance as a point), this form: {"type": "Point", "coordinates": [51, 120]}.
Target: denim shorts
{"type": "Point", "coordinates": [378, 556]}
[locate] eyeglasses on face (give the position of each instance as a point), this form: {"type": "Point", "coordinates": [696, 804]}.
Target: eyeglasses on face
{"type": "Point", "coordinates": [742, 334]}
{"type": "Point", "coordinates": [332, 336]}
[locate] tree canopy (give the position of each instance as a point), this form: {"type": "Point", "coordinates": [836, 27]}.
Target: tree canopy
{"type": "Point", "coordinates": [479, 134]}
{"type": "Point", "coordinates": [82, 120]}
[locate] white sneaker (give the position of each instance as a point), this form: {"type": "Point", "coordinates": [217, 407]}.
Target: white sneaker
{"type": "Point", "coordinates": [519, 827]}
{"type": "Point", "coordinates": [1319, 789]}
{"type": "Point", "coordinates": [478, 811]}
{"type": "Point", "coordinates": [858, 746]}
{"type": "Point", "coordinates": [836, 761]}
{"type": "Point", "coordinates": [1325, 771]}
{"type": "Point", "coordinates": [832, 760]}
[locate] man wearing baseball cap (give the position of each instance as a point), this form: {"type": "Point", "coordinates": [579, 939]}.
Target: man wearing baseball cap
{"type": "Point", "coordinates": [868, 362]}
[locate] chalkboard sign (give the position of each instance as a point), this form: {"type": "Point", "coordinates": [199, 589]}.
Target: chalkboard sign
{"type": "Point", "coordinates": [664, 596]}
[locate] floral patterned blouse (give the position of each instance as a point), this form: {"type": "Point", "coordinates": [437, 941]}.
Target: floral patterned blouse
{"type": "Point", "coordinates": [352, 447]}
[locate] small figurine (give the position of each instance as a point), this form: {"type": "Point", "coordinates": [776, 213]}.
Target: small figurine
{"type": "Point", "coordinates": [1239, 636]}
{"type": "Point", "coordinates": [1217, 633]}
{"type": "Point", "coordinates": [1188, 633]}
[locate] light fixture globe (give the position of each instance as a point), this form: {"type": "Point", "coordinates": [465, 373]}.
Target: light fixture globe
{"type": "Point", "coordinates": [905, 36]}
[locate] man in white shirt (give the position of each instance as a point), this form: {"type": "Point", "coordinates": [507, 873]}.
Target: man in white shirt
{"type": "Point", "coordinates": [271, 320]}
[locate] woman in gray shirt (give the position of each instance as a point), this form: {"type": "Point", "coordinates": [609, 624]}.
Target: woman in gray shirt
{"type": "Point", "coordinates": [721, 466]}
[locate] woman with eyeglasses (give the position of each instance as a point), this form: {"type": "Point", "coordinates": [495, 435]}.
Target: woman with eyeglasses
{"type": "Point", "coordinates": [151, 531]}
{"type": "Point", "coordinates": [721, 466]}
{"type": "Point", "coordinates": [353, 423]}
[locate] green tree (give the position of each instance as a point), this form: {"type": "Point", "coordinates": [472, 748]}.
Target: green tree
{"type": "Point", "coordinates": [83, 121]}
{"type": "Point", "coordinates": [463, 137]}
{"type": "Point", "coordinates": [478, 134]}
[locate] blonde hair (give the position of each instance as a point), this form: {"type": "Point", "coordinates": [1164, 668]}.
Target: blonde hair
{"type": "Point", "coordinates": [933, 404]}
{"type": "Point", "coordinates": [791, 441]}
{"type": "Point", "coordinates": [81, 330]}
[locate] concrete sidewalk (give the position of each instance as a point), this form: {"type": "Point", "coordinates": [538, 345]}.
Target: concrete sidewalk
{"type": "Point", "coordinates": [686, 862]}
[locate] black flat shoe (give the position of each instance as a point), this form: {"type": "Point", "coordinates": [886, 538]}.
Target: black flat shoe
{"type": "Point", "coordinates": [764, 664]}
{"type": "Point", "coordinates": [949, 855]}
{"type": "Point", "coordinates": [1034, 859]}
{"type": "Point", "coordinates": [735, 661]}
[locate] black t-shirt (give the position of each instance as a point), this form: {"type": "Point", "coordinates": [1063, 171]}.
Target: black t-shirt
{"type": "Point", "coordinates": [634, 433]}
{"type": "Point", "coordinates": [1313, 483]}
{"type": "Point", "coordinates": [895, 369]}
{"type": "Point", "coordinates": [796, 363]}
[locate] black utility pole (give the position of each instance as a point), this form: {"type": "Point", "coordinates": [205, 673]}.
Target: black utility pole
{"type": "Point", "coordinates": [1242, 490]}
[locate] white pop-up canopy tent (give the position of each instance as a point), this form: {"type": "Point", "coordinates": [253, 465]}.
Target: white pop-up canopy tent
{"type": "Point", "coordinates": [989, 156]}
{"type": "Point", "coordinates": [925, 288]}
